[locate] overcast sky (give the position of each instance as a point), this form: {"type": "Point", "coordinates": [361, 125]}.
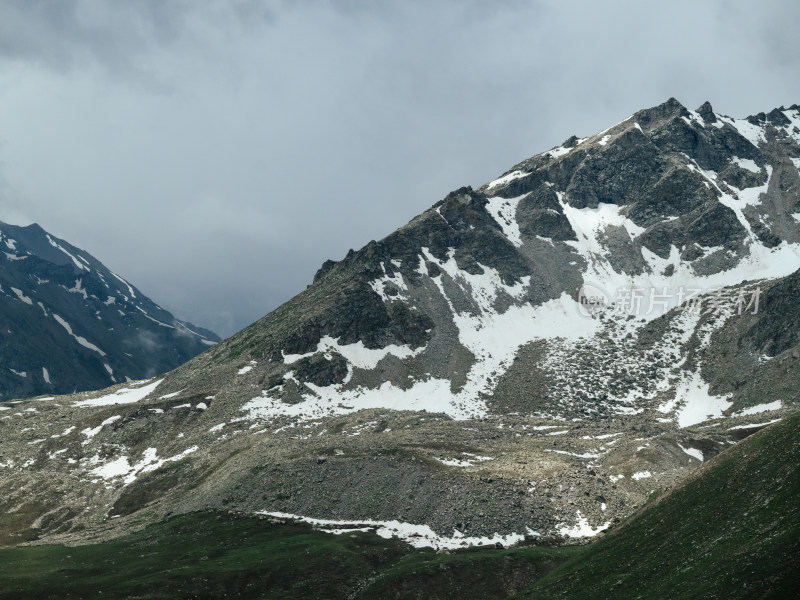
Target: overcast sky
{"type": "Point", "coordinates": [215, 153]}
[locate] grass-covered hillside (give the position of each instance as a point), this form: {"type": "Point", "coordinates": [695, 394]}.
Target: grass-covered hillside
{"type": "Point", "coordinates": [215, 555]}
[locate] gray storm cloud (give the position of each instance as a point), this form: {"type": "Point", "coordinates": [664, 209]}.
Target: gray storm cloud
{"type": "Point", "coordinates": [216, 153]}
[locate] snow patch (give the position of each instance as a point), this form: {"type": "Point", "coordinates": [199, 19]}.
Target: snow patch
{"type": "Point", "coordinates": [506, 178]}
{"type": "Point", "coordinates": [751, 425]}
{"type": "Point", "coordinates": [746, 163]}
{"type": "Point", "coordinates": [22, 296]}
{"type": "Point", "coordinates": [379, 285]}
{"type": "Point", "coordinates": [759, 408]}
{"type": "Point", "coordinates": [128, 285]}
{"type": "Point", "coordinates": [698, 404]}
{"type": "Point", "coordinates": [559, 151]}
{"type": "Point", "coordinates": [504, 211]}
{"type": "Point", "coordinates": [418, 536]}
{"type": "Point", "coordinates": [492, 337]}
{"type": "Point", "coordinates": [247, 368]}
{"type": "Point", "coordinates": [575, 454]}
{"type": "Point", "coordinates": [78, 264]}
{"type": "Point", "coordinates": [120, 467]}
{"type": "Point", "coordinates": [752, 133]}
{"type": "Point", "coordinates": [582, 529]}
{"type": "Point", "coordinates": [90, 433]}
{"type": "Point", "coordinates": [693, 452]}
{"type": "Point", "coordinates": [356, 354]}
{"type": "Point", "coordinates": [79, 289]}
{"type": "Point", "coordinates": [80, 339]}
{"type": "Point", "coordinates": [122, 396]}
{"type": "Point", "coordinates": [465, 462]}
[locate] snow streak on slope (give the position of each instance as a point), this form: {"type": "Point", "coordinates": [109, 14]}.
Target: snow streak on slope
{"type": "Point", "coordinates": [356, 354]}
{"type": "Point", "coordinates": [78, 338]}
{"type": "Point", "coordinates": [506, 178]}
{"type": "Point", "coordinates": [22, 296]}
{"type": "Point", "coordinates": [418, 536]}
{"type": "Point", "coordinates": [78, 263]}
{"type": "Point", "coordinates": [422, 536]}
{"type": "Point", "coordinates": [504, 211]}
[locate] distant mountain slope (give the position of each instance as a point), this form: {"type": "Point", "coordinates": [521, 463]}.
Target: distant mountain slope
{"type": "Point", "coordinates": [68, 323]}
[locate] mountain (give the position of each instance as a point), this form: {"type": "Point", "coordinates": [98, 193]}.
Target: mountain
{"type": "Point", "coordinates": [529, 360]}
{"type": "Point", "coordinates": [69, 324]}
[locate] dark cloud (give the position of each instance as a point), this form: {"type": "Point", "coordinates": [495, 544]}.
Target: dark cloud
{"type": "Point", "coordinates": [217, 152]}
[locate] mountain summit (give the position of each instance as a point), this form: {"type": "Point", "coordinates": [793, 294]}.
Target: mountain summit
{"type": "Point", "coordinates": [528, 359]}
{"type": "Point", "coordinates": [661, 208]}
{"type": "Point", "coordinates": [69, 324]}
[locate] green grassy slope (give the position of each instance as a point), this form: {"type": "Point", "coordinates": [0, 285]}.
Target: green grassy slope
{"type": "Point", "coordinates": [213, 555]}
{"type": "Point", "coordinates": [478, 573]}
{"type": "Point", "coordinates": [202, 555]}
{"type": "Point", "coordinates": [731, 531]}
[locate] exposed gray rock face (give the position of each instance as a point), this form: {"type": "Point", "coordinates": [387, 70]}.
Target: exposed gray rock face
{"type": "Point", "coordinates": [69, 324]}
{"type": "Point", "coordinates": [777, 329]}
{"type": "Point", "coordinates": [523, 358]}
